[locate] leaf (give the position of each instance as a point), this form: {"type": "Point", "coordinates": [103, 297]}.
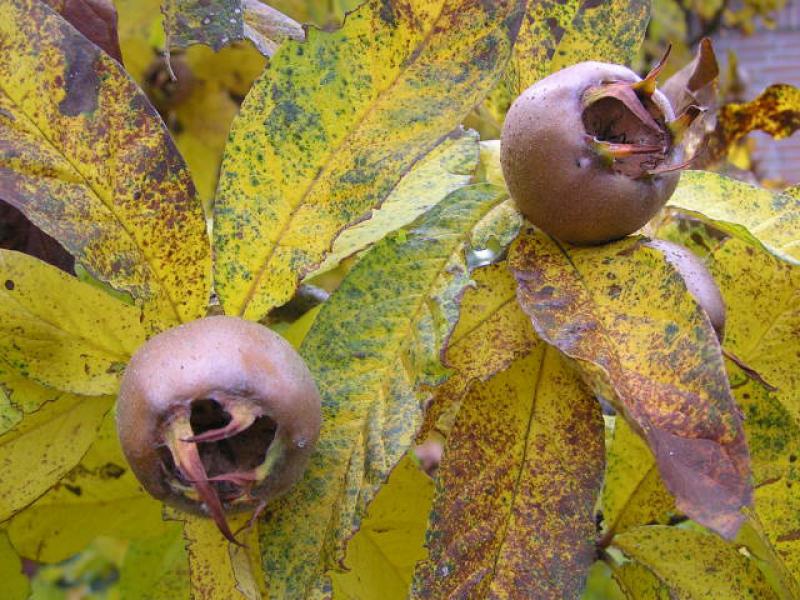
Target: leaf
{"type": "Point", "coordinates": [156, 568]}
{"type": "Point", "coordinates": [61, 332]}
{"type": "Point", "coordinates": [606, 30]}
{"type": "Point", "coordinates": [742, 210]}
{"type": "Point", "coordinates": [514, 509]}
{"type": "Point", "coordinates": [382, 555]}
{"type": "Point", "coordinates": [633, 493]}
{"type": "Point", "coordinates": [15, 584]}
{"type": "Point", "coordinates": [325, 135]}
{"type": "Point", "coordinates": [100, 496]}
{"type": "Point", "coordinates": [20, 396]}
{"type": "Point", "coordinates": [644, 343]}
{"type": "Point", "coordinates": [95, 19]}
{"type": "Point", "coordinates": [694, 565]}
{"type": "Point", "coordinates": [447, 167]}
{"type": "Point", "coordinates": [373, 350]}
{"type": "Point", "coordinates": [18, 233]}
{"type": "Point", "coordinates": [88, 160]}
{"type": "Point", "coordinates": [640, 583]}
{"type": "Point", "coordinates": [217, 567]}
{"type": "Point", "coordinates": [490, 334]}
{"type": "Point", "coordinates": [217, 23]}
{"type": "Point", "coordinates": [696, 82]}
{"type": "Point", "coordinates": [43, 448]}
{"type": "Point", "coordinates": [775, 111]}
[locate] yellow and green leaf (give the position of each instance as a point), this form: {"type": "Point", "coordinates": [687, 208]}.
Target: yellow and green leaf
{"type": "Point", "coordinates": [514, 509]}
{"type": "Point", "coordinates": [15, 583]}
{"type": "Point", "coordinates": [99, 496]}
{"type": "Point", "coordinates": [639, 582]}
{"type": "Point", "coordinates": [695, 565]}
{"type": "Point", "coordinates": [381, 556]}
{"type": "Point", "coordinates": [63, 333]}
{"type": "Point", "coordinates": [156, 568]}
{"type": "Point", "coordinates": [447, 167]}
{"type": "Point", "coordinates": [88, 160]}
{"type": "Point", "coordinates": [742, 210]}
{"type": "Point", "coordinates": [625, 315]}
{"type": "Point", "coordinates": [374, 349]}
{"type": "Point", "coordinates": [333, 125]}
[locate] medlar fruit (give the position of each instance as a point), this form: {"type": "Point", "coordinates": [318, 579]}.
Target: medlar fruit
{"type": "Point", "coordinates": [589, 153]}
{"type": "Point", "coordinates": [216, 416]}
{"type": "Point", "coordinates": [699, 281]}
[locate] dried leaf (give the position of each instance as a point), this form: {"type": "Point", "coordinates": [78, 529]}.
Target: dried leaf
{"type": "Point", "coordinates": [644, 344]}
{"type": "Point", "coordinates": [373, 349]}
{"type": "Point", "coordinates": [447, 167]}
{"type": "Point", "coordinates": [43, 448]}
{"type": "Point", "coordinates": [775, 111]}
{"type": "Point", "coordinates": [88, 160]}
{"type": "Point", "coordinates": [742, 210]}
{"type": "Point", "coordinates": [332, 127]}
{"type": "Point", "coordinates": [61, 332]}
{"type": "Point", "coordinates": [95, 19]}
{"type": "Point", "coordinates": [695, 565]}
{"type": "Point", "coordinates": [514, 510]}
{"type": "Point", "coordinates": [696, 82]}
{"type": "Point", "coordinates": [267, 27]}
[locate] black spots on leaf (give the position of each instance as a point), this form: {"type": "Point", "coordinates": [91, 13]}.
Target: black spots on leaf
{"type": "Point", "coordinates": [81, 81]}
{"type": "Point", "coordinates": [9, 285]}
{"type": "Point", "coordinates": [111, 471]}
{"type": "Point", "coordinates": [75, 489]}
{"type": "Point", "coordinates": [387, 13]}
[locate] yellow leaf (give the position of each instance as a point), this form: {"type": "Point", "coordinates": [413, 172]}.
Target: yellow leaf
{"type": "Point", "coordinates": [15, 583]}
{"type": "Point", "coordinates": [374, 350]}
{"type": "Point", "coordinates": [382, 555]}
{"type": "Point", "coordinates": [514, 508]}
{"type": "Point", "coordinates": [325, 135]}
{"type": "Point", "coordinates": [89, 161]}
{"type": "Point", "coordinates": [49, 442]}
{"type": "Point", "coordinates": [633, 493]}
{"type": "Point", "coordinates": [742, 210]}
{"type": "Point", "coordinates": [100, 496]}
{"type": "Point", "coordinates": [640, 583]}
{"type": "Point", "coordinates": [695, 565]}
{"type": "Point", "coordinates": [61, 332]}
{"type": "Point", "coordinates": [625, 315]}
{"type": "Point", "coordinates": [608, 31]}
{"type": "Point", "coordinates": [20, 396]}
{"type": "Point", "coordinates": [447, 167]}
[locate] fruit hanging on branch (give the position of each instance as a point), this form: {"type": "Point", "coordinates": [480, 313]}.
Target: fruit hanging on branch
{"type": "Point", "coordinates": [218, 416]}
{"type": "Point", "coordinates": [592, 152]}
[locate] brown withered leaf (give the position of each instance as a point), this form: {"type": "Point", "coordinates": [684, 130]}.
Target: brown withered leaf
{"type": "Point", "coordinates": [95, 19]}
{"type": "Point", "coordinates": [513, 515]}
{"type": "Point", "coordinates": [696, 82]}
{"type": "Point", "coordinates": [641, 340]}
{"type": "Point", "coordinates": [775, 111]}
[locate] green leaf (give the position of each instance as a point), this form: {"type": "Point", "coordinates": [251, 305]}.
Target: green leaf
{"type": "Point", "coordinates": [373, 350]}
{"type": "Point", "coordinates": [43, 448]}
{"type": "Point", "coordinates": [447, 167]}
{"type": "Point", "coordinates": [61, 332]}
{"type": "Point", "coordinates": [381, 556]}
{"type": "Point", "coordinates": [742, 210]}
{"type": "Point", "coordinates": [639, 337]}
{"type": "Point", "coordinates": [333, 125]}
{"type": "Point", "coordinates": [87, 158]}
{"type": "Point", "coordinates": [694, 565]}
{"type": "Point", "coordinates": [15, 583]}
{"type": "Point", "coordinates": [514, 509]}
{"type": "Point", "coordinates": [156, 568]}
{"type": "Point", "coordinates": [100, 496]}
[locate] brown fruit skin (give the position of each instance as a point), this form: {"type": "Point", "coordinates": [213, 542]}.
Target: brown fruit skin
{"type": "Point", "coordinates": [555, 177]}
{"type": "Point", "coordinates": [699, 281]}
{"type": "Point", "coordinates": [193, 361]}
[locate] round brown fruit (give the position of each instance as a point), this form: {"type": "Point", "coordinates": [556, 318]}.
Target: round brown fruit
{"type": "Point", "coordinates": [588, 153]}
{"type": "Point", "coordinates": [699, 281]}
{"type": "Point", "coordinates": [218, 416]}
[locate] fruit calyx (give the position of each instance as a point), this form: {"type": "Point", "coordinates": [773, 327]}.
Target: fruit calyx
{"type": "Point", "coordinates": [627, 126]}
